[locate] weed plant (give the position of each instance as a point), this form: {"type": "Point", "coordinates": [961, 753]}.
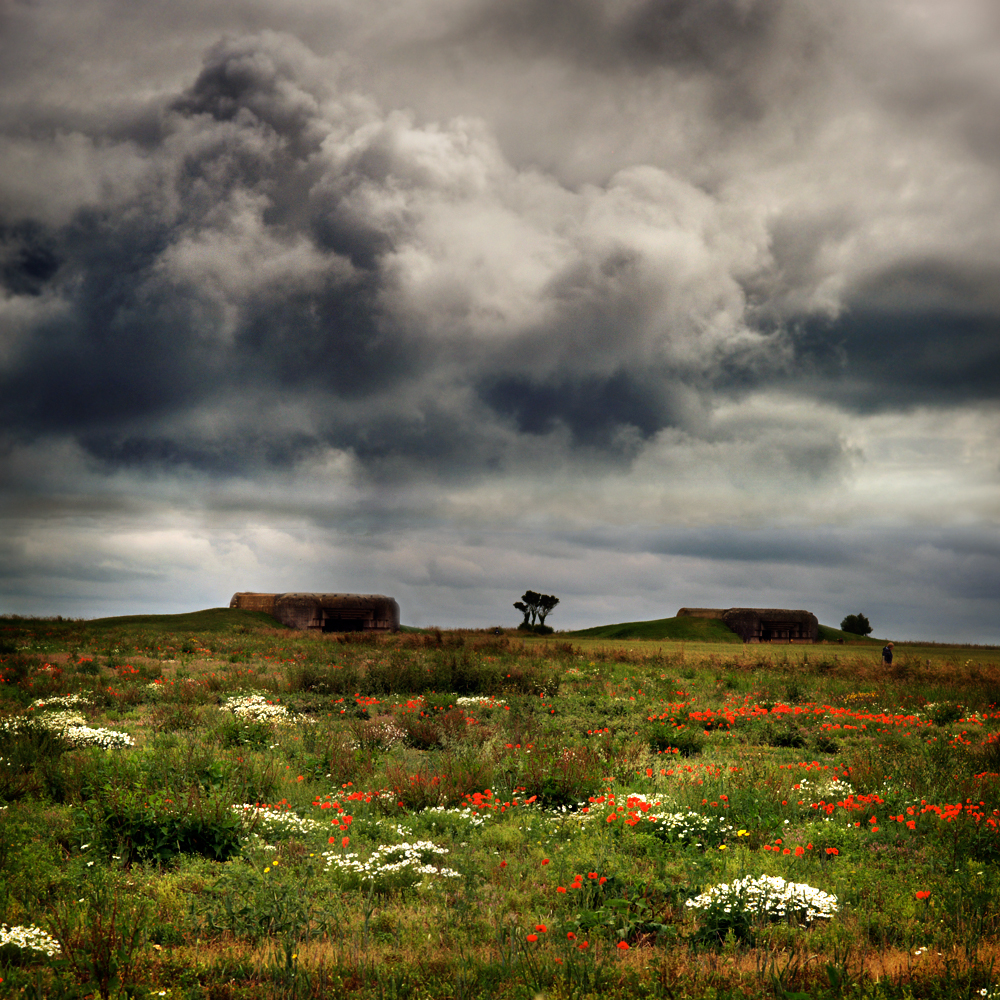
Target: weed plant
{"type": "Point", "coordinates": [279, 814]}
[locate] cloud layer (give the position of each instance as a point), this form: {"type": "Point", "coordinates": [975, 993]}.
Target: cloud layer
{"type": "Point", "coordinates": [534, 274]}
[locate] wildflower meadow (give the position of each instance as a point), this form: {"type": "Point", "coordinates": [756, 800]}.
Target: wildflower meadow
{"type": "Point", "coordinates": [209, 806]}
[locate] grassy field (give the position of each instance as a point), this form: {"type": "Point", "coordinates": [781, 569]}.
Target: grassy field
{"type": "Point", "coordinates": [207, 805]}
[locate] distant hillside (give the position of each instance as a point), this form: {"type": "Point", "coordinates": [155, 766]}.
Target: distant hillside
{"type": "Point", "coordinates": [209, 620]}
{"type": "Point", "coordinates": [693, 629]}
{"type": "Point", "coordinates": [696, 630]}
{"type": "Point", "coordinates": [835, 635]}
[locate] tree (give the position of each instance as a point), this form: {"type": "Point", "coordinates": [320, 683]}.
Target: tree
{"type": "Point", "coordinates": [545, 606]}
{"type": "Point", "coordinates": [528, 606]}
{"type": "Point", "coordinates": [535, 607]}
{"type": "Point", "coordinates": [856, 624]}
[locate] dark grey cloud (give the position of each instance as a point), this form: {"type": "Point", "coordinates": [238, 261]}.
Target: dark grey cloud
{"type": "Point", "coordinates": [28, 259]}
{"type": "Point", "coordinates": [252, 165]}
{"type": "Point", "coordinates": [710, 36]}
{"type": "Point", "coordinates": [594, 410]}
{"type": "Point", "coordinates": [670, 275]}
{"type": "Point", "coordinates": [893, 360]}
{"type": "Point", "coordinates": [730, 44]}
{"type": "Point", "coordinates": [281, 236]}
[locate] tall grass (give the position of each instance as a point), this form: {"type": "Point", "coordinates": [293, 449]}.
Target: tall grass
{"type": "Point", "coordinates": [588, 787]}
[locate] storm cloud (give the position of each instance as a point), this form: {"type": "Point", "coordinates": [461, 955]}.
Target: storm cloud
{"type": "Point", "coordinates": [716, 281]}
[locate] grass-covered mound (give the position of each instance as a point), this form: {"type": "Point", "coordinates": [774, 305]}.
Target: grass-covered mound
{"type": "Point", "coordinates": [687, 629]}
{"type": "Point", "coordinates": [836, 635]}
{"type": "Point", "coordinates": [697, 629]}
{"type": "Point", "coordinates": [209, 620]}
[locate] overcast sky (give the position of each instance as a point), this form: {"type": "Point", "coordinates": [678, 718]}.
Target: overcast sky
{"type": "Point", "coordinates": [642, 303]}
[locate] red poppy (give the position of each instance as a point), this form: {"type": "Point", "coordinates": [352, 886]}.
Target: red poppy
{"type": "Point", "coordinates": [623, 945]}
{"type": "Point", "coordinates": [570, 936]}
{"type": "Point", "coordinates": [923, 894]}
{"type": "Point", "coordinates": [532, 937]}
{"type": "Point", "coordinates": [541, 928]}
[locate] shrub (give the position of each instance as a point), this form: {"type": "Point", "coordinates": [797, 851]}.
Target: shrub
{"type": "Point", "coordinates": [253, 733]}
{"type": "Point", "coordinates": [686, 740]}
{"type": "Point", "coordinates": [100, 940]}
{"type": "Point", "coordinates": [943, 713]}
{"type": "Point", "coordinates": [856, 624]}
{"type": "Point", "coordinates": [560, 777]}
{"type": "Point", "coordinates": [790, 737]}
{"type": "Point", "coordinates": [30, 756]}
{"type": "Point", "coordinates": [158, 826]}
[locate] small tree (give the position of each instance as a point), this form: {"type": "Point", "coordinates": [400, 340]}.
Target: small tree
{"type": "Point", "coordinates": [856, 625]}
{"type": "Point", "coordinates": [535, 607]}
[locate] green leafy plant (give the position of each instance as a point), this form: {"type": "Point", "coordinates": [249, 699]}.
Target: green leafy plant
{"type": "Point", "coordinates": [100, 936]}
{"type": "Point", "coordinates": [157, 826]}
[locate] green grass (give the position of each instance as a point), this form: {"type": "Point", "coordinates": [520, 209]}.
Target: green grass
{"type": "Point", "coordinates": [209, 620]}
{"type": "Point", "coordinates": [134, 859]}
{"type": "Point", "coordinates": [696, 630]}
{"type": "Point", "coordinates": [679, 629]}
{"type": "Point", "coordinates": [836, 635]}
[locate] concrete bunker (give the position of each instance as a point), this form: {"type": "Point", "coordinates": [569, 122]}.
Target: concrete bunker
{"type": "Point", "coordinates": [325, 612]}
{"type": "Point", "coordinates": [774, 625]}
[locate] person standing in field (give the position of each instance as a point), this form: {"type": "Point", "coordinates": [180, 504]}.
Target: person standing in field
{"type": "Point", "coordinates": [887, 654]}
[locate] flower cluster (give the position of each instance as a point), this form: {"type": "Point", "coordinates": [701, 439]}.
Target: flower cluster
{"type": "Point", "coordinates": [381, 733]}
{"type": "Point", "coordinates": [690, 827]}
{"type": "Point", "coordinates": [768, 896]}
{"type": "Point", "coordinates": [109, 739]}
{"type": "Point", "coordinates": [72, 727]}
{"type": "Point", "coordinates": [31, 938]}
{"type": "Point", "coordinates": [273, 821]}
{"type": "Point", "coordinates": [479, 701]}
{"type": "Point", "coordinates": [256, 708]}
{"type": "Point", "coordinates": [59, 701]}
{"type": "Point", "coordinates": [59, 722]}
{"type": "Point", "coordinates": [467, 814]}
{"type": "Point", "coordinates": [832, 788]}
{"type": "Point", "coordinates": [394, 866]}
{"type": "Point", "coordinates": [578, 883]}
